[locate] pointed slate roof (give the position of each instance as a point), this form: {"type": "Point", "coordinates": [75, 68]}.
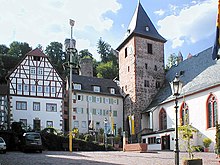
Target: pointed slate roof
{"type": "Point", "coordinates": [141, 25]}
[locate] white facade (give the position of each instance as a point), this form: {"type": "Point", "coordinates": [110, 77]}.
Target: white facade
{"type": "Point", "coordinates": [36, 93]}
{"type": "Point", "coordinates": [91, 109]}
{"type": "Point", "coordinates": [197, 108]}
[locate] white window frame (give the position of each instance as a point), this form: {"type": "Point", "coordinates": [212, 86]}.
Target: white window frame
{"type": "Point", "coordinates": [51, 107]}
{"type": "Point", "coordinates": [36, 106]}
{"type": "Point", "coordinates": [32, 70]}
{"type": "Point", "coordinates": [112, 90]}
{"type": "Point", "coordinates": [21, 105]}
{"type": "Point", "coordinates": [49, 124]}
{"type": "Point", "coordinates": [19, 87]}
{"type": "Point", "coordinates": [39, 89]}
{"type": "Point", "coordinates": [76, 124]}
{"type": "Point", "coordinates": [26, 87]}
{"type": "Point", "coordinates": [40, 71]}
{"type": "Point", "coordinates": [77, 86]}
{"type": "Point", "coordinates": [83, 124]}
{"type": "Point", "coordinates": [96, 89]}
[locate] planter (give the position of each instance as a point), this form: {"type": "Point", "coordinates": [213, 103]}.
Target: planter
{"type": "Point", "coordinates": [206, 149]}
{"type": "Point", "coordinates": [192, 162]}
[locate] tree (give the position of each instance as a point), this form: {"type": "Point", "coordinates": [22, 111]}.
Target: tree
{"type": "Point", "coordinates": [4, 49]}
{"type": "Point", "coordinates": [107, 70]}
{"type": "Point", "coordinates": [104, 50]}
{"type": "Point", "coordinates": [19, 49]}
{"type": "Point", "coordinates": [85, 54]}
{"type": "Point", "coordinates": [56, 55]}
{"type": "Point", "coordinates": [171, 61]}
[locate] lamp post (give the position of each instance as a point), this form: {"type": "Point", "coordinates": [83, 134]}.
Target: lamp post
{"type": "Point", "coordinates": [176, 86]}
{"type": "Point", "coordinates": [105, 132]}
{"type": "Point", "coordinates": [70, 47]}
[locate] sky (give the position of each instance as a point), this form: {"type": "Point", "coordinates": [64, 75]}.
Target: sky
{"type": "Point", "coordinates": [188, 26]}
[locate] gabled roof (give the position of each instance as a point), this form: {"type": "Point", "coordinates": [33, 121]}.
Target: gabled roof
{"type": "Point", "coordinates": [139, 22]}
{"type": "Point", "coordinates": [87, 84]}
{"type": "Point", "coordinates": [36, 52]}
{"type": "Point", "coordinates": [198, 73]}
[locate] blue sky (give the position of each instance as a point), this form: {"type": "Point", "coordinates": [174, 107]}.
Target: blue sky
{"type": "Point", "coordinates": [188, 26]}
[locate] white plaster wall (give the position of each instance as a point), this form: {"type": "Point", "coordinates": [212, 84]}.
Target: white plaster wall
{"type": "Point", "coordinates": [98, 118]}
{"type": "Point", "coordinates": [42, 115]}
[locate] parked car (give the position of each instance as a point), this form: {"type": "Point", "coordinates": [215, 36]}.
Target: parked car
{"type": "Point", "coordinates": [31, 141]}
{"type": "Point", "coordinates": [2, 145]}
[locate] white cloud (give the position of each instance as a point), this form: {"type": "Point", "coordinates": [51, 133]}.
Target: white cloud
{"type": "Point", "coordinates": [44, 21]}
{"type": "Point", "coordinates": [190, 24]}
{"type": "Point", "coordinates": [159, 12]}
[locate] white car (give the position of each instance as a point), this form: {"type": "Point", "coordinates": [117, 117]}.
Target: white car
{"type": "Point", "coordinates": [2, 145]}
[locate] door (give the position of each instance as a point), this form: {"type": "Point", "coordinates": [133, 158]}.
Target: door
{"type": "Point", "coordinates": [36, 125]}
{"type": "Point", "coordinates": [165, 144]}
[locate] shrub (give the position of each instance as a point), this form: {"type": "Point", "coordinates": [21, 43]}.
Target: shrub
{"type": "Point", "coordinates": [207, 142]}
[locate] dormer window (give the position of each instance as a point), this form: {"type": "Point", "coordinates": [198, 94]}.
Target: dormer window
{"type": "Point", "coordinates": [77, 86]}
{"type": "Point", "coordinates": [147, 28]}
{"type": "Point", "coordinates": [96, 88]}
{"type": "Point", "coordinates": [112, 90]}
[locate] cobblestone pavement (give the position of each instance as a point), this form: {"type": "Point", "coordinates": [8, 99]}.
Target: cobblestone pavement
{"type": "Point", "coordinates": [99, 158]}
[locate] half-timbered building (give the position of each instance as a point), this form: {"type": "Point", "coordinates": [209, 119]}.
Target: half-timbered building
{"type": "Point", "coordinates": [36, 92]}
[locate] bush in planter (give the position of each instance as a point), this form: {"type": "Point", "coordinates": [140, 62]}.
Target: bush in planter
{"type": "Point", "coordinates": [207, 142]}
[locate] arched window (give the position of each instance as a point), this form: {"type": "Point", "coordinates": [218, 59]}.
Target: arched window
{"type": "Point", "coordinates": [184, 114]}
{"type": "Point", "coordinates": [211, 111]}
{"type": "Point", "coordinates": [162, 119]}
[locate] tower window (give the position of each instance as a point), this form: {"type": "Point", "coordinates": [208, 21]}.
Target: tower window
{"type": "Point", "coordinates": [146, 83]}
{"type": "Point", "coordinates": [149, 48]}
{"type": "Point", "coordinates": [126, 52]}
{"type": "Point", "coordinates": [128, 69]}
{"type": "Point", "coordinates": [155, 67]}
{"type": "Point", "coordinates": [147, 28]}
{"type": "Point", "coordinates": [157, 84]}
{"type": "Point", "coordinates": [145, 65]}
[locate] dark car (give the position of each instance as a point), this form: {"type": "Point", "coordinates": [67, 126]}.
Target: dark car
{"type": "Point", "coordinates": [2, 145]}
{"type": "Point", "coordinates": [31, 141]}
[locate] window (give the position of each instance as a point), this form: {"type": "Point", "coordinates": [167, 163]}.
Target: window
{"type": "Point", "coordinates": [80, 97]}
{"type": "Point", "coordinates": [51, 107]}
{"type": "Point", "coordinates": [39, 89]}
{"type": "Point", "coordinates": [21, 105]}
{"type": "Point", "coordinates": [40, 71]}
{"type": "Point", "coordinates": [126, 52]}
{"type": "Point", "coordinates": [97, 99]}
{"type": "Point", "coordinates": [128, 69]}
{"type": "Point", "coordinates": [162, 120]}
{"type": "Point", "coordinates": [211, 111]}
{"type": "Point", "coordinates": [115, 113]}
{"type": "Point", "coordinates": [19, 87]}
{"type": "Point", "coordinates": [32, 70]}
{"type": "Point", "coordinates": [76, 124]}
{"type": "Point", "coordinates": [107, 100]}
{"type": "Point", "coordinates": [147, 28]}
{"type": "Point", "coordinates": [149, 48]}
{"type": "Point", "coordinates": [89, 98]}
{"type": "Point", "coordinates": [145, 65]}
{"type": "Point", "coordinates": [155, 67]}
{"type": "Point", "coordinates": [33, 88]}
{"type": "Point", "coordinates": [112, 90]}
{"type": "Point", "coordinates": [80, 110]}
{"type": "Point", "coordinates": [152, 140]}
{"type": "Point", "coordinates": [36, 106]}
{"type": "Point", "coordinates": [49, 124]}
{"type": "Point", "coordinates": [96, 88]}
{"type": "Point", "coordinates": [83, 124]}
{"type": "Point", "coordinates": [77, 86]}
{"type": "Point", "coordinates": [157, 84]}
{"type": "Point", "coordinates": [53, 90]}
{"type": "Point", "coordinates": [26, 88]}
{"type": "Point", "coordinates": [46, 89]}
{"type": "Point", "coordinates": [94, 111]}
{"type": "Point", "coordinates": [36, 58]}
{"type": "Point", "coordinates": [184, 114]}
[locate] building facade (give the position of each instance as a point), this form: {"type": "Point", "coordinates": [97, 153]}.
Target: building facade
{"type": "Point", "coordinates": [94, 101]}
{"type": "Point", "coordinates": [36, 92]}
{"type": "Point", "coordinates": [141, 66]}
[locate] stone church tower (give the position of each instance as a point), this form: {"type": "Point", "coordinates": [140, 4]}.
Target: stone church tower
{"type": "Point", "coordinates": [141, 66]}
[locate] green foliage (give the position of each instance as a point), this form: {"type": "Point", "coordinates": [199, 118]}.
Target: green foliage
{"type": "Point", "coordinates": [19, 49]}
{"type": "Point", "coordinates": [186, 133]}
{"type": "Point", "coordinates": [206, 142]}
{"type": "Point", "coordinates": [88, 138]}
{"type": "Point", "coordinates": [171, 61]}
{"type": "Point", "coordinates": [198, 148]}
{"type": "Point", "coordinates": [4, 49]}
{"type": "Point", "coordinates": [107, 70]}
{"type": "Point", "coordinates": [85, 54]}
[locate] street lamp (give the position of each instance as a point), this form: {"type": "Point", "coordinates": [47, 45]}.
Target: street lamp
{"type": "Point", "coordinates": [176, 86]}
{"type": "Point", "coordinates": [105, 132]}
{"type": "Point", "coordinates": [70, 48]}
